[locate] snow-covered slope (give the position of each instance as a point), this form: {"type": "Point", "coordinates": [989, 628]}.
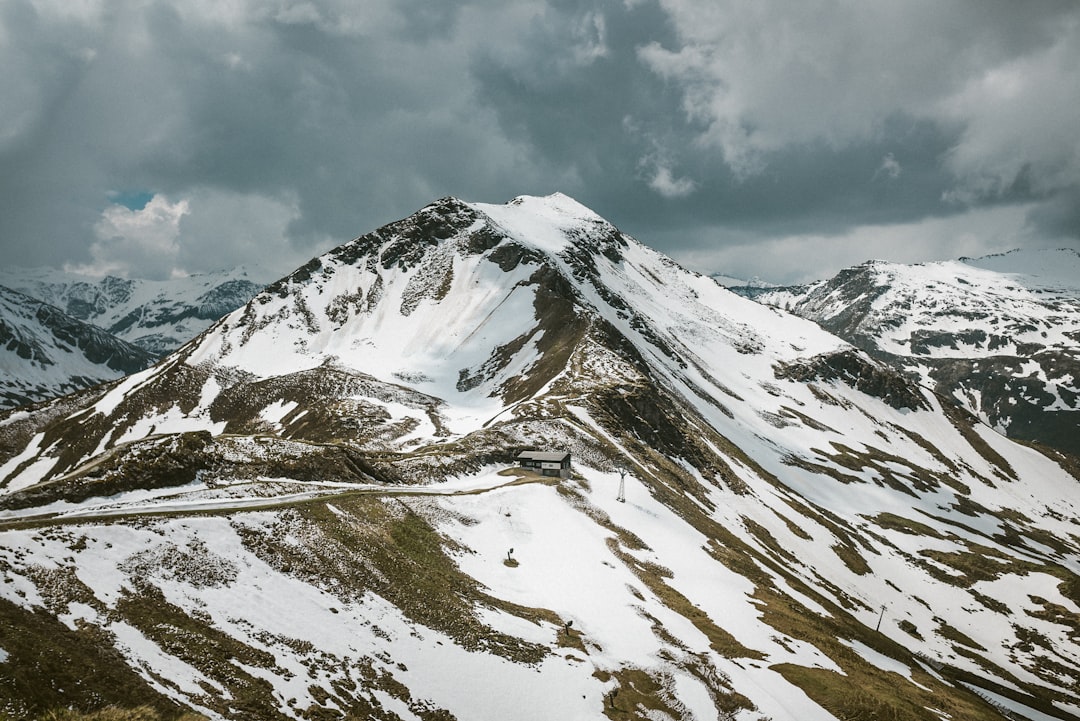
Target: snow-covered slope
{"type": "Point", "coordinates": [159, 316]}
{"type": "Point", "coordinates": [46, 353]}
{"type": "Point", "coordinates": [999, 334]}
{"type": "Point", "coordinates": [311, 510]}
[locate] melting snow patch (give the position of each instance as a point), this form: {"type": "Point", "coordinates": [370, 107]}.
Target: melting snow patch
{"type": "Point", "coordinates": [77, 612]}
{"type": "Point", "coordinates": [31, 448]}
{"type": "Point", "coordinates": [141, 652]}
{"type": "Point", "coordinates": [3, 655]}
{"type": "Point", "coordinates": [109, 402]}
{"type": "Point", "coordinates": [274, 412]}
{"type": "Point", "coordinates": [210, 391]}
{"type": "Point", "coordinates": [31, 474]}
{"type": "Point", "coordinates": [17, 416]}
{"type": "Point", "coordinates": [174, 420]}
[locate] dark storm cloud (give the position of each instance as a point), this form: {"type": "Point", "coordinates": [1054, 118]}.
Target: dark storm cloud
{"type": "Point", "coordinates": [338, 118]}
{"type": "Point", "coordinates": [271, 129]}
{"type": "Point", "coordinates": [802, 151]}
{"type": "Point", "coordinates": [1060, 217]}
{"type": "Point", "coordinates": [817, 120]}
{"type": "Point", "coordinates": [571, 87]}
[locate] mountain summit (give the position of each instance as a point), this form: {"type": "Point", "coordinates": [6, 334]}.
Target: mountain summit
{"type": "Point", "coordinates": [313, 509]}
{"type": "Point", "coordinates": [484, 306]}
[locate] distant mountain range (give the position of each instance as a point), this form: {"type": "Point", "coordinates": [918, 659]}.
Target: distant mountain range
{"type": "Point", "coordinates": [62, 331]}
{"type": "Point", "coordinates": [159, 316]}
{"type": "Point", "coordinates": [1000, 335]}
{"type": "Point", "coordinates": [312, 509]}
{"type": "Point", "coordinates": [45, 352]}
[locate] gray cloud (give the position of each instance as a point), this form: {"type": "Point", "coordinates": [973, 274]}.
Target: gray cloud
{"type": "Point", "coordinates": [704, 127]}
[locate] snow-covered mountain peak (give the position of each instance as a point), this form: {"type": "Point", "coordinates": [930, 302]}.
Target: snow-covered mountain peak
{"type": "Point", "coordinates": [486, 304]}
{"type": "Point", "coordinates": [555, 206]}
{"type": "Point", "coordinates": [552, 223]}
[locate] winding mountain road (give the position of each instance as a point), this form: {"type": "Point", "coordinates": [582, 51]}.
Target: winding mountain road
{"type": "Point", "coordinates": [187, 502]}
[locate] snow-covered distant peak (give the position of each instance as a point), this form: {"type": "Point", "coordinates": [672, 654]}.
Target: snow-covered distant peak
{"type": "Point", "coordinates": [45, 352]}
{"type": "Point", "coordinates": [546, 222]}
{"type": "Point", "coordinates": [999, 333]}
{"type": "Point", "coordinates": [28, 276]}
{"type": "Point", "coordinates": [1016, 277]}
{"type": "Point", "coordinates": [158, 315]}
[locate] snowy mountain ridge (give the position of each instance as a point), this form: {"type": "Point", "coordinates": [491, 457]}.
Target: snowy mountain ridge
{"type": "Point", "coordinates": [46, 353]}
{"type": "Point", "coordinates": [157, 315]}
{"type": "Point", "coordinates": [312, 509]}
{"type": "Point", "coordinates": [1000, 334]}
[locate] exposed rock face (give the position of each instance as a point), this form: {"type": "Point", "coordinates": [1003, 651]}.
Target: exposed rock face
{"type": "Point", "coordinates": [860, 373]}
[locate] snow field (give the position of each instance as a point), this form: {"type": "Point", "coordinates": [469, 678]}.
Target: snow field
{"type": "Point", "coordinates": [567, 566]}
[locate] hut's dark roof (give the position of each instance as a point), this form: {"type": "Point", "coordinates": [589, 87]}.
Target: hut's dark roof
{"type": "Point", "coordinates": [549, 456]}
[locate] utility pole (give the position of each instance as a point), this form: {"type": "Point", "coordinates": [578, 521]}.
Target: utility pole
{"type": "Point", "coordinates": [880, 616]}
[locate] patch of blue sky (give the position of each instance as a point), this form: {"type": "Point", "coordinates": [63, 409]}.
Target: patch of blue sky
{"type": "Point", "coordinates": [131, 199]}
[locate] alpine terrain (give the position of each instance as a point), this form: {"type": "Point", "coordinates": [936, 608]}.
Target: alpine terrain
{"type": "Point", "coordinates": [159, 316]}
{"type": "Point", "coordinates": [313, 509]}
{"type": "Point", "coordinates": [45, 353]}
{"type": "Point", "coordinates": [1000, 335]}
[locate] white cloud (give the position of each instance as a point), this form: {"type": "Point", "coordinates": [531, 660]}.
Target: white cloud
{"type": "Point", "coordinates": [590, 36]}
{"type": "Point", "coordinates": [890, 167]}
{"type": "Point", "coordinates": [668, 186]}
{"type": "Point", "coordinates": [209, 230]}
{"type": "Point", "coordinates": [144, 240]}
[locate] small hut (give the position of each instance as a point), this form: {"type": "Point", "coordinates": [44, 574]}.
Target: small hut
{"type": "Point", "coordinates": [546, 463]}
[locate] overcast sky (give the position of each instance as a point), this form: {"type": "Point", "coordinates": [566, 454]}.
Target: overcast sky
{"type": "Point", "coordinates": [754, 137]}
